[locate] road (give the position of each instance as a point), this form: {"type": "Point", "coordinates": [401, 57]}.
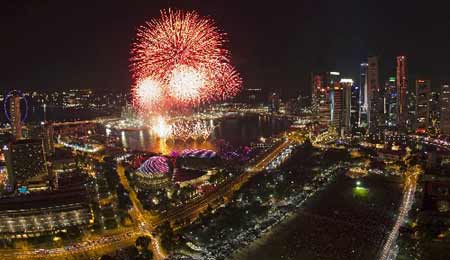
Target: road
{"type": "Point", "coordinates": [145, 225]}
{"type": "Point", "coordinates": [410, 183]}
{"type": "Point", "coordinates": [225, 190]}
{"type": "Point", "coordinates": [138, 216]}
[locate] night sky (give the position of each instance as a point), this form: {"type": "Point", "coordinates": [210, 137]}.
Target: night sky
{"type": "Point", "coordinates": [274, 44]}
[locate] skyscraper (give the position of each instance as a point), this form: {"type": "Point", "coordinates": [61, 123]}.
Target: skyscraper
{"type": "Point", "coordinates": [363, 97]}
{"type": "Point", "coordinates": [354, 107]}
{"type": "Point", "coordinates": [44, 132]}
{"type": "Point", "coordinates": [321, 99]}
{"type": "Point", "coordinates": [346, 85]}
{"type": "Point", "coordinates": [402, 85]}
{"type": "Point", "coordinates": [335, 97]}
{"type": "Point", "coordinates": [15, 115]}
{"type": "Point", "coordinates": [423, 90]}
{"type": "Point", "coordinates": [316, 86]}
{"type": "Point", "coordinates": [336, 105]}
{"type": "Point", "coordinates": [373, 89]}
{"type": "Point", "coordinates": [391, 103]}
{"type": "Point", "coordinates": [435, 113]}
{"type": "Point", "coordinates": [445, 109]}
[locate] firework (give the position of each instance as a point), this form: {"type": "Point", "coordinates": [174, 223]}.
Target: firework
{"type": "Point", "coordinates": [147, 92]}
{"type": "Point", "coordinates": [161, 128]}
{"type": "Point", "coordinates": [182, 130]}
{"type": "Point", "coordinates": [182, 56]}
{"type": "Point", "coordinates": [194, 129]}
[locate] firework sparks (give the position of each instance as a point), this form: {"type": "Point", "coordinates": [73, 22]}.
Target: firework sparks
{"type": "Point", "coordinates": [182, 130]}
{"type": "Point", "coordinates": [195, 130]}
{"type": "Point", "coordinates": [184, 53]}
{"type": "Point", "coordinates": [147, 93]}
{"type": "Point", "coordinates": [186, 84]}
{"type": "Point", "coordinates": [161, 128]}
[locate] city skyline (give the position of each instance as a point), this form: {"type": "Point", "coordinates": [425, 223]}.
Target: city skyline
{"type": "Point", "coordinates": [170, 130]}
{"type": "Point", "coordinates": [321, 37]}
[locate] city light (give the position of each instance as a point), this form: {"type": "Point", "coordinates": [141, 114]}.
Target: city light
{"type": "Point", "coordinates": [181, 160]}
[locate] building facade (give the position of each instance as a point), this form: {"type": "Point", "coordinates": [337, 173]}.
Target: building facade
{"type": "Point", "coordinates": [391, 103]}
{"type": "Point", "coordinates": [375, 118]}
{"type": "Point", "coordinates": [363, 97]}
{"type": "Point", "coordinates": [445, 109]}
{"type": "Point", "coordinates": [422, 114]}
{"type": "Point", "coordinates": [44, 213]}
{"type": "Point", "coordinates": [402, 87]}
{"type": "Point", "coordinates": [25, 162]}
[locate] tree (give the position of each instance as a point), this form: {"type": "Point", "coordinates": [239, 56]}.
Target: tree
{"type": "Point", "coordinates": [142, 242]}
{"type": "Point", "coordinates": [167, 235]}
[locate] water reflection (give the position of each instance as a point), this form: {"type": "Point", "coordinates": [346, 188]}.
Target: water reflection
{"type": "Point", "coordinates": [235, 131]}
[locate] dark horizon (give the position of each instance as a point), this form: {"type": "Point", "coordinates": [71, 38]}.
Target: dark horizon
{"type": "Point", "coordinates": [50, 45]}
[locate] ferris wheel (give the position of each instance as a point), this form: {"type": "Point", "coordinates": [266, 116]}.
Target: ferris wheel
{"type": "Point", "coordinates": [23, 104]}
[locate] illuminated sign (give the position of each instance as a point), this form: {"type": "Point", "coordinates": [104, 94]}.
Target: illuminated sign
{"type": "Point", "coordinates": [392, 79]}
{"type": "Point", "coordinates": [335, 73]}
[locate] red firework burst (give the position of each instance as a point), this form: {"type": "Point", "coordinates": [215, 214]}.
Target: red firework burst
{"type": "Point", "coordinates": [185, 54]}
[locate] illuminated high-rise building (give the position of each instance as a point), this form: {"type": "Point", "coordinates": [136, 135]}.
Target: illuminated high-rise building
{"type": "Point", "coordinates": [375, 100]}
{"type": "Point", "coordinates": [346, 86]}
{"type": "Point", "coordinates": [423, 91]}
{"type": "Point", "coordinates": [435, 113]}
{"type": "Point", "coordinates": [445, 109]}
{"type": "Point", "coordinates": [391, 103]}
{"type": "Point", "coordinates": [354, 107]}
{"type": "Point", "coordinates": [316, 85]}
{"type": "Point", "coordinates": [334, 98]}
{"type": "Point", "coordinates": [15, 116]}
{"type": "Point", "coordinates": [321, 106]}
{"type": "Point", "coordinates": [274, 103]}
{"type": "Point", "coordinates": [363, 97]}
{"type": "Point", "coordinates": [336, 104]}
{"type": "Point", "coordinates": [44, 132]}
{"type": "Point", "coordinates": [402, 86]}
{"type": "Point", "coordinates": [333, 77]}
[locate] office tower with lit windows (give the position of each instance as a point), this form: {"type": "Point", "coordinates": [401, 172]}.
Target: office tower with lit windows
{"type": "Point", "coordinates": [316, 86]}
{"type": "Point", "coordinates": [336, 105]}
{"type": "Point", "coordinates": [335, 96]}
{"type": "Point", "coordinates": [333, 77]}
{"type": "Point", "coordinates": [323, 101]}
{"type": "Point", "coordinates": [44, 132]}
{"type": "Point", "coordinates": [15, 116]}
{"type": "Point", "coordinates": [375, 100]}
{"type": "Point", "coordinates": [26, 164]}
{"type": "Point", "coordinates": [435, 113]}
{"type": "Point", "coordinates": [346, 85]}
{"type": "Point", "coordinates": [445, 109]}
{"type": "Point", "coordinates": [402, 87]}
{"type": "Point", "coordinates": [322, 97]}
{"type": "Point", "coordinates": [354, 106]}
{"type": "Point", "coordinates": [391, 103]}
{"type": "Point", "coordinates": [363, 97]}
{"type": "Point", "coordinates": [423, 91]}
{"type": "Point", "coordinates": [274, 103]}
